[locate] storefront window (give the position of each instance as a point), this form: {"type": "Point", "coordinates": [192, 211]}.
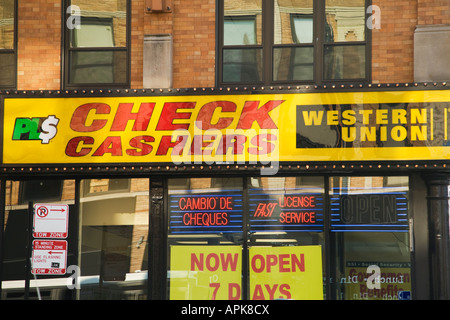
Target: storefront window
{"type": "Point", "coordinates": [287, 219]}
{"type": "Point", "coordinates": [205, 238]}
{"type": "Point", "coordinates": [114, 230]}
{"type": "Point", "coordinates": [228, 238]}
{"type": "Point", "coordinates": [283, 219]}
{"type": "Point", "coordinates": [25, 278]}
{"type": "Point", "coordinates": [370, 236]}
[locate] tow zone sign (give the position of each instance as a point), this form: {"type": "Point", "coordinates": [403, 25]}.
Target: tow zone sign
{"type": "Point", "coordinates": [49, 257]}
{"type": "Point", "coordinates": [50, 221]}
{"type": "Point", "coordinates": [50, 225]}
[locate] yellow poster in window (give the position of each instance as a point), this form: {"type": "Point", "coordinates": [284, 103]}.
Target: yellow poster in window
{"type": "Point", "coordinates": [293, 273]}
{"type": "Point", "coordinates": [377, 280]}
{"type": "Point", "coordinates": [205, 272]}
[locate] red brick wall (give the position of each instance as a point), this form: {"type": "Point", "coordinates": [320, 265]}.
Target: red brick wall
{"type": "Point", "coordinates": [39, 45]}
{"type": "Point", "coordinates": [433, 12]}
{"type": "Point", "coordinates": [393, 43]}
{"type": "Point", "coordinates": [192, 25]}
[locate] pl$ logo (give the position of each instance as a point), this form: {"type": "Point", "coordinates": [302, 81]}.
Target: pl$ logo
{"type": "Point", "coordinates": [44, 129]}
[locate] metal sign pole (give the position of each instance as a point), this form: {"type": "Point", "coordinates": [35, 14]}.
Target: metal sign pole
{"type": "Point", "coordinates": [37, 285]}
{"type": "Point", "coordinates": [29, 251]}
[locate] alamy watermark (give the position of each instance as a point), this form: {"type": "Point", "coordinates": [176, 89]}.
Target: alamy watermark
{"type": "Point", "coordinates": [229, 147]}
{"type": "Point", "coordinates": [374, 21]}
{"type": "Point", "coordinates": [74, 20]}
{"type": "Point", "coordinates": [73, 281]}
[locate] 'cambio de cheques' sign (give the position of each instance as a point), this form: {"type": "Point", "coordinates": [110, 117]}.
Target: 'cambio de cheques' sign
{"type": "Point", "coordinates": [209, 212]}
{"type": "Point", "coordinates": [214, 273]}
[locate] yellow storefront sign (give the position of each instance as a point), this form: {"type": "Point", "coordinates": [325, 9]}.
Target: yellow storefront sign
{"type": "Point", "coordinates": [286, 273]}
{"type": "Point", "coordinates": [214, 129]}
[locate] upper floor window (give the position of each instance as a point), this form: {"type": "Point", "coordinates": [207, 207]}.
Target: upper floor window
{"type": "Point", "coordinates": [97, 43]}
{"type": "Point", "coordinates": [295, 41]}
{"type": "Point", "coordinates": [8, 44]}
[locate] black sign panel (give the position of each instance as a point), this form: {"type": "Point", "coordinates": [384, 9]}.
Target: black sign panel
{"type": "Point", "coordinates": [287, 211]}
{"type": "Point", "coordinates": [212, 212]}
{"type": "Point", "coordinates": [370, 212]}
{"type": "Point", "coordinates": [373, 125]}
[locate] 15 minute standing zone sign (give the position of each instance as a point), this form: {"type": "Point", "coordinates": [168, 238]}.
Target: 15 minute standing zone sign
{"type": "Point", "coordinates": [49, 257]}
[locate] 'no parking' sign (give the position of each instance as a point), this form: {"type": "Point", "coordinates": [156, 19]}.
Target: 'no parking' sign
{"type": "Point", "coordinates": [51, 221]}
{"type": "Point", "coordinates": [50, 225]}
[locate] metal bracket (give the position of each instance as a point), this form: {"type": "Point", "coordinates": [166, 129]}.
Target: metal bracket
{"type": "Point", "coordinates": [158, 6]}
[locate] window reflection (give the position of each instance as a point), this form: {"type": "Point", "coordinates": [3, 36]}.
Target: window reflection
{"type": "Point", "coordinates": [346, 20]}
{"type": "Point", "coordinates": [98, 45]}
{"type": "Point", "coordinates": [293, 22]}
{"type": "Point", "coordinates": [345, 23]}
{"type": "Point", "coordinates": [294, 30]}
{"type": "Point", "coordinates": [103, 24]}
{"type": "Point", "coordinates": [242, 31]}
{"type": "Point", "coordinates": [8, 67]}
{"type": "Point", "coordinates": [16, 238]}
{"type": "Point", "coordinates": [7, 24]}
{"type": "Point", "coordinates": [242, 22]}
{"type": "Point", "coordinates": [242, 65]}
{"type": "Point", "coordinates": [205, 222]}
{"type": "Point", "coordinates": [98, 67]}
{"type": "Point", "coordinates": [114, 230]}
{"type": "Point", "coordinates": [368, 237]}
{"type": "Point", "coordinates": [293, 64]}
{"type": "Point", "coordinates": [366, 219]}
{"type": "Point", "coordinates": [345, 62]}
{"type": "Point", "coordinates": [7, 34]}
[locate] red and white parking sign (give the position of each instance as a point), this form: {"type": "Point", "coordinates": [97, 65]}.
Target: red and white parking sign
{"type": "Point", "coordinates": [51, 221]}
{"type": "Point", "coordinates": [49, 257]}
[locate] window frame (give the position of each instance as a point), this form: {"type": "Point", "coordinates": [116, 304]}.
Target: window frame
{"type": "Point", "coordinates": [256, 47]}
{"type": "Point", "coordinates": [12, 51]}
{"type": "Point", "coordinates": [294, 46]}
{"type": "Point", "coordinates": [67, 50]}
{"type": "Point", "coordinates": [268, 46]}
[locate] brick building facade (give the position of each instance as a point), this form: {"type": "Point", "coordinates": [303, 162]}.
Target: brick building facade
{"type": "Point", "coordinates": [127, 216]}
{"type": "Point", "coordinates": [193, 29]}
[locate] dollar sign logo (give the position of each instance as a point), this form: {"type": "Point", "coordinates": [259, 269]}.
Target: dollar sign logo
{"type": "Point", "coordinates": [49, 129]}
